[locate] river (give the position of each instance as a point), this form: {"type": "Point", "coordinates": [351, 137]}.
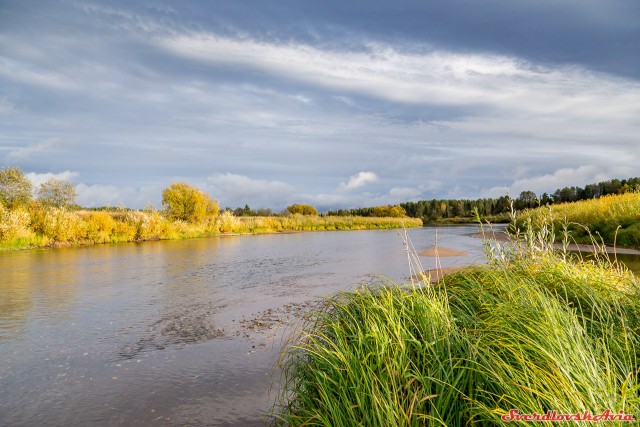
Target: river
{"type": "Point", "coordinates": [176, 332]}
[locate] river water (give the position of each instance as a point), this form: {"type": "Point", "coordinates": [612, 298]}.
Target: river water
{"type": "Point", "coordinates": [176, 332]}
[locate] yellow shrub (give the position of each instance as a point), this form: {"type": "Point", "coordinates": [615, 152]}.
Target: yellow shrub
{"type": "Point", "coordinates": [100, 227]}
{"type": "Point", "coordinates": [124, 231]}
{"type": "Point", "coordinates": [155, 227]}
{"type": "Point", "coordinates": [14, 223]}
{"type": "Point", "coordinates": [62, 226]}
{"type": "Point", "coordinates": [227, 223]}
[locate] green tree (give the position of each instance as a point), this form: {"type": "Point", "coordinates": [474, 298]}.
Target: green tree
{"type": "Point", "coordinates": [15, 187]}
{"type": "Point", "coordinates": [302, 209]}
{"type": "Point", "coordinates": [185, 202]}
{"type": "Point", "coordinates": [57, 192]}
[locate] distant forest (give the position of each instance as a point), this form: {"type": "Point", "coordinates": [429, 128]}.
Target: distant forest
{"type": "Point", "coordinates": [446, 210]}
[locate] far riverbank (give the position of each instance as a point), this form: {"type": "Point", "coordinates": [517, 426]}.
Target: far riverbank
{"type": "Point", "coordinates": [39, 227]}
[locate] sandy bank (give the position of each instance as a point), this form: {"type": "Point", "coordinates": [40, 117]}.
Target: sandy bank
{"type": "Point", "coordinates": [442, 252]}
{"type": "Point", "coordinates": [436, 274]}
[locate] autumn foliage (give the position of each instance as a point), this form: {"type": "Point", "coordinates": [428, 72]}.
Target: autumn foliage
{"type": "Point", "coordinates": [187, 203]}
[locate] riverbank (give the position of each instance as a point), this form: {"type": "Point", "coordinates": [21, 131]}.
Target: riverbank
{"type": "Point", "coordinates": [469, 349]}
{"type": "Point", "coordinates": [613, 220]}
{"type": "Point", "coordinates": [502, 236]}
{"type": "Point", "coordinates": [53, 227]}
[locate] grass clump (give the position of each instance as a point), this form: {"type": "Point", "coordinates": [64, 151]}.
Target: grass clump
{"type": "Point", "coordinates": [614, 219]}
{"type": "Point", "coordinates": [534, 330]}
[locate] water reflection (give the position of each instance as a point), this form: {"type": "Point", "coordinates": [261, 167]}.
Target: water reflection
{"type": "Point", "coordinates": [631, 261]}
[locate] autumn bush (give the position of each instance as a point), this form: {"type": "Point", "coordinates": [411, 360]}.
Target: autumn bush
{"type": "Point", "coordinates": [14, 223]}
{"type": "Point", "coordinates": [187, 203]}
{"type": "Point", "coordinates": [100, 227]}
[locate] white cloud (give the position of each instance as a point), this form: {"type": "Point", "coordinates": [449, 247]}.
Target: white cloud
{"type": "Point", "coordinates": [431, 185]}
{"type": "Point", "coordinates": [358, 180]}
{"type": "Point", "coordinates": [6, 106]}
{"type": "Point", "coordinates": [40, 178]}
{"type": "Point", "coordinates": [110, 195]}
{"type": "Point", "coordinates": [236, 190]}
{"type": "Point", "coordinates": [102, 195]}
{"type": "Point", "coordinates": [403, 194]}
{"type": "Point", "coordinates": [499, 112]}
{"type": "Point", "coordinates": [29, 151]}
{"type": "Point", "coordinates": [367, 199]}
{"type": "Point", "coordinates": [439, 77]}
{"type": "Point", "coordinates": [565, 177]}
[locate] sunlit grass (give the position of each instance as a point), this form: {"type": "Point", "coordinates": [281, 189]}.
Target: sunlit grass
{"type": "Point", "coordinates": [613, 219]}
{"type": "Point", "coordinates": [533, 330]}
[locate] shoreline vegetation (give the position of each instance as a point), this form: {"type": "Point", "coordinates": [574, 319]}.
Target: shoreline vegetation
{"type": "Point", "coordinates": [612, 220]}
{"type": "Point", "coordinates": [609, 210]}
{"type": "Point", "coordinates": [53, 219]}
{"type": "Point", "coordinates": [40, 226]}
{"type": "Point", "coordinates": [497, 210]}
{"type": "Point", "coordinates": [536, 329]}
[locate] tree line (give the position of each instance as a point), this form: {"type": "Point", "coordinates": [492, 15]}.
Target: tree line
{"type": "Point", "coordinates": [301, 209]}
{"type": "Point", "coordinates": [182, 201]}
{"type": "Point", "coordinates": [496, 208]}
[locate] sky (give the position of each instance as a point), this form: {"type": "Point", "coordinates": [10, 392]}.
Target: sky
{"type": "Point", "coordinates": [339, 104]}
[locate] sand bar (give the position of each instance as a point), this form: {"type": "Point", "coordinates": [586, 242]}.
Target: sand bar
{"type": "Point", "coordinates": [442, 252]}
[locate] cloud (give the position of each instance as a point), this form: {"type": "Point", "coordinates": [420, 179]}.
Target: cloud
{"type": "Point", "coordinates": [6, 106]}
{"type": "Point", "coordinates": [383, 71]}
{"type": "Point", "coordinates": [403, 194]}
{"type": "Point", "coordinates": [565, 177]}
{"type": "Point", "coordinates": [431, 186]}
{"type": "Point", "coordinates": [136, 96]}
{"type": "Point", "coordinates": [29, 151]}
{"type": "Point", "coordinates": [237, 190]}
{"type": "Point", "coordinates": [339, 200]}
{"type": "Point", "coordinates": [96, 195]}
{"type": "Point", "coordinates": [40, 178]}
{"type": "Point", "coordinates": [358, 180]}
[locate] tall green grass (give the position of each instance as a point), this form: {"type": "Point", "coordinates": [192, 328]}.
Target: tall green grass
{"type": "Point", "coordinates": [533, 330]}
{"type": "Point", "coordinates": [612, 219]}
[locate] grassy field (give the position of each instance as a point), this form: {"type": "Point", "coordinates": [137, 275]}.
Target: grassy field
{"type": "Point", "coordinates": [533, 331]}
{"type": "Point", "coordinates": [39, 227]}
{"type": "Point", "coordinates": [613, 219]}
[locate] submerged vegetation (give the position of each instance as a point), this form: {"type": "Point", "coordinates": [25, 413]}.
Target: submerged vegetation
{"type": "Point", "coordinates": [613, 219]}
{"type": "Point", "coordinates": [534, 330]}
